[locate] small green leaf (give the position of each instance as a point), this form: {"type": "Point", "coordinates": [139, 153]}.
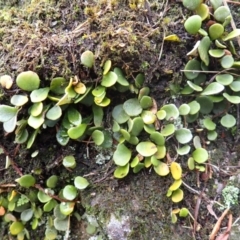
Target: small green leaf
{"type": "Point", "coordinates": [74, 116]}
{"type": "Point", "coordinates": [61, 225]}
{"type": "Point", "coordinates": [213, 88]}
{"type": "Point", "coordinates": [121, 171]}
{"type": "Point", "coordinates": [171, 111]}
{"type": "Point", "coordinates": [54, 113]}
{"type": "Point", "coordinates": [52, 181]}
{"type": "Point", "coordinates": [28, 81]}
{"type": "Point", "coordinates": [109, 79]}
{"type": "Point", "coordinates": [184, 150]}
{"type": "Point", "coordinates": [69, 162]}
{"type": "Point", "coordinates": [162, 169]}
{"type": "Point", "coordinates": [36, 109]}
{"type": "Point", "coordinates": [235, 86]}
{"type": "Point", "coordinates": [200, 155]}
{"type": "Point", "coordinates": [232, 99]}
{"type": "Point", "coordinates": [26, 215]}
{"type": "Point", "coordinates": [157, 138]}
{"type": "Point", "coordinates": [212, 135]}
{"type": "Point", "coordinates": [43, 197]}
{"type": "Point", "coordinates": [18, 100]}
{"type": "Point", "coordinates": [87, 58]}
{"type": "Point", "coordinates": [148, 117]}
{"type": "Point", "coordinates": [184, 109]}
{"type": "Point", "coordinates": [7, 113]}
{"type": "Point", "coordinates": [122, 155]}
{"type": "Point", "coordinates": [146, 149]}
{"type": "Point", "coordinates": [194, 107]}
{"type": "Point", "coordinates": [132, 107]}
{"type": "Point", "coordinates": [176, 170]}
{"type": "Point", "coordinates": [66, 209]}
{"type": "Point", "coordinates": [216, 30]}
{"type": "Point", "coordinates": [177, 196]}
{"type": "Point", "coordinates": [228, 121]}
{"type": "Point", "coordinates": [206, 104]}
{"type": "Point", "coordinates": [203, 49]}
{"type": "Point", "coordinates": [119, 115]}
{"type": "Point", "coordinates": [194, 86]}
{"type": "Point", "coordinates": [98, 137]}
{"type": "Point", "coordinates": [35, 122]}
{"type": "Point", "coordinates": [77, 132]}
{"type": "Point", "coordinates": [16, 228]}
{"type": "Point", "coordinates": [106, 67]}
{"type": "Point", "coordinates": [81, 183]}
{"type": "Point", "coordinates": [227, 61]}
{"type": "Point", "coordinates": [192, 67]}
{"type": "Point", "coordinates": [220, 14]}
{"type": "Point", "coordinates": [209, 124]}
{"type": "Point", "coordinates": [70, 192]}
{"type": "Point", "coordinates": [121, 79]}
{"type": "Point", "coordinates": [136, 127]}
{"type": "Point", "coordinates": [183, 212]}
{"type": "Point", "coordinates": [235, 33]}
{"type": "Point", "coordinates": [161, 114]}
{"type": "Point", "coordinates": [216, 53]}
{"type": "Point", "coordinates": [183, 135]}
{"type": "Point", "coordinates": [168, 130]}
{"type": "Point", "coordinates": [26, 181]}
{"type": "Point", "coordinates": [146, 102]}
{"type": "Point", "coordinates": [39, 95]}
{"type": "Point", "coordinates": [193, 24]}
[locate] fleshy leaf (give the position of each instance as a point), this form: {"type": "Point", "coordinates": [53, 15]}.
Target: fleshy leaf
{"type": "Point", "coordinates": [200, 155]}
{"type": "Point", "coordinates": [81, 183]}
{"type": "Point", "coordinates": [213, 88]}
{"type": "Point", "coordinates": [146, 149]}
{"type": "Point", "coordinates": [228, 121]}
{"type": "Point", "coordinates": [122, 155]}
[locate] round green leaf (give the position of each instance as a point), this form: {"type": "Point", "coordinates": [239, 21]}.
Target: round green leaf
{"type": "Point", "coordinates": [194, 107]}
{"type": "Point", "coordinates": [70, 192]}
{"type": "Point", "coordinates": [66, 209]}
{"type": "Point", "coordinates": [51, 233]}
{"type": "Point", "coordinates": [200, 155]}
{"type": "Point", "coordinates": [184, 109]}
{"type": "Point", "coordinates": [232, 99]}
{"type": "Point", "coordinates": [74, 116]}
{"type": "Point", "coordinates": [121, 79]}
{"type": "Point", "coordinates": [121, 171]}
{"type": "Point", "coordinates": [177, 196]}
{"type": "Point", "coordinates": [28, 81]}
{"type": "Point", "coordinates": [209, 124]}
{"type": "Point", "coordinates": [19, 100]}
{"type": "Point", "coordinates": [10, 125]}
{"type": "Point", "coordinates": [216, 53]}
{"type": "Point", "coordinates": [183, 212]}
{"type": "Point", "coordinates": [146, 102]}
{"type": "Point", "coordinates": [122, 155]}
{"type": "Point", "coordinates": [61, 225]}
{"type": "Point", "coordinates": [119, 115]}
{"type": "Point", "coordinates": [216, 30]}
{"type": "Point", "coordinates": [39, 95]}
{"type": "Point", "coordinates": [132, 107]}
{"type": "Point", "coordinates": [184, 150]}
{"type": "Point", "coordinates": [36, 109]}
{"type": "Point", "coordinates": [191, 4]}
{"type": "Point", "coordinates": [146, 149]}
{"type": "Point", "coordinates": [235, 86]}
{"type": "Point", "coordinates": [26, 215]}
{"type": "Point", "coordinates": [157, 138]}
{"type": "Point", "coordinates": [109, 79]}
{"type": "Point", "coordinates": [58, 85]}
{"type": "Point", "coordinates": [213, 88]}
{"type": "Point", "coordinates": [212, 135]}
{"type": "Point", "coordinates": [206, 104]}
{"type": "Point", "coordinates": [192, 68]}
{"type": "Point", "coordinates": [98, 91]}
{"type": "Point", "coordinates": [221, 13]}
{"type": "Point", "coordinates": [161, 152]}
{"type": "Point", "coordinates": [98, 137]}
{"type": "Point", "coordinates": [69, 161]}
{"type": "Point", "coordinates": [43, 197]}
{"type": "Point", "coordinates": [7, 113]}
{"type": "Point", "coordinates": [193, 24]}
{"type": "Point", "coordinates": [203, 11]}
{"type": "Point", "coordinates": [77, 132]}
{"type": "Point", "coordinates": [136, 127]}
{"type": "Point", "coordinates": [35, 122]}
{"type": "Point", "coordinates": [26, 181]}
{"type": "Point", "coordinates": [227, 61]}
{"type": "Point", "coordinates": [228, 121]}
{"type": "Point", "coordinates": [54, 113]}
{"type": "Point", "coordinates": [171, 111]}
{"type": "Point", "coordinates": [87, 58]}
{"type": "Point", "coordinates": [81, 183]}
{"type": "Point", "coordinates": [162, 169]}
{"type": "Point", "coordinates": [161, 114]}
{"type": "Point", "coordinates": [183, 135]}
{"type": "Point", "coordinates": [52, 181]}
{"type": "Point", "coordinates": [148, 117]}
{"type": "Point", "coordinates": [16, 228]}
{"type": "Point", "coordinates": [168, 130]}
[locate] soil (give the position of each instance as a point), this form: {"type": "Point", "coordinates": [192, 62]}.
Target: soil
{"type": "Point", "coordinates": [48, 37]}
